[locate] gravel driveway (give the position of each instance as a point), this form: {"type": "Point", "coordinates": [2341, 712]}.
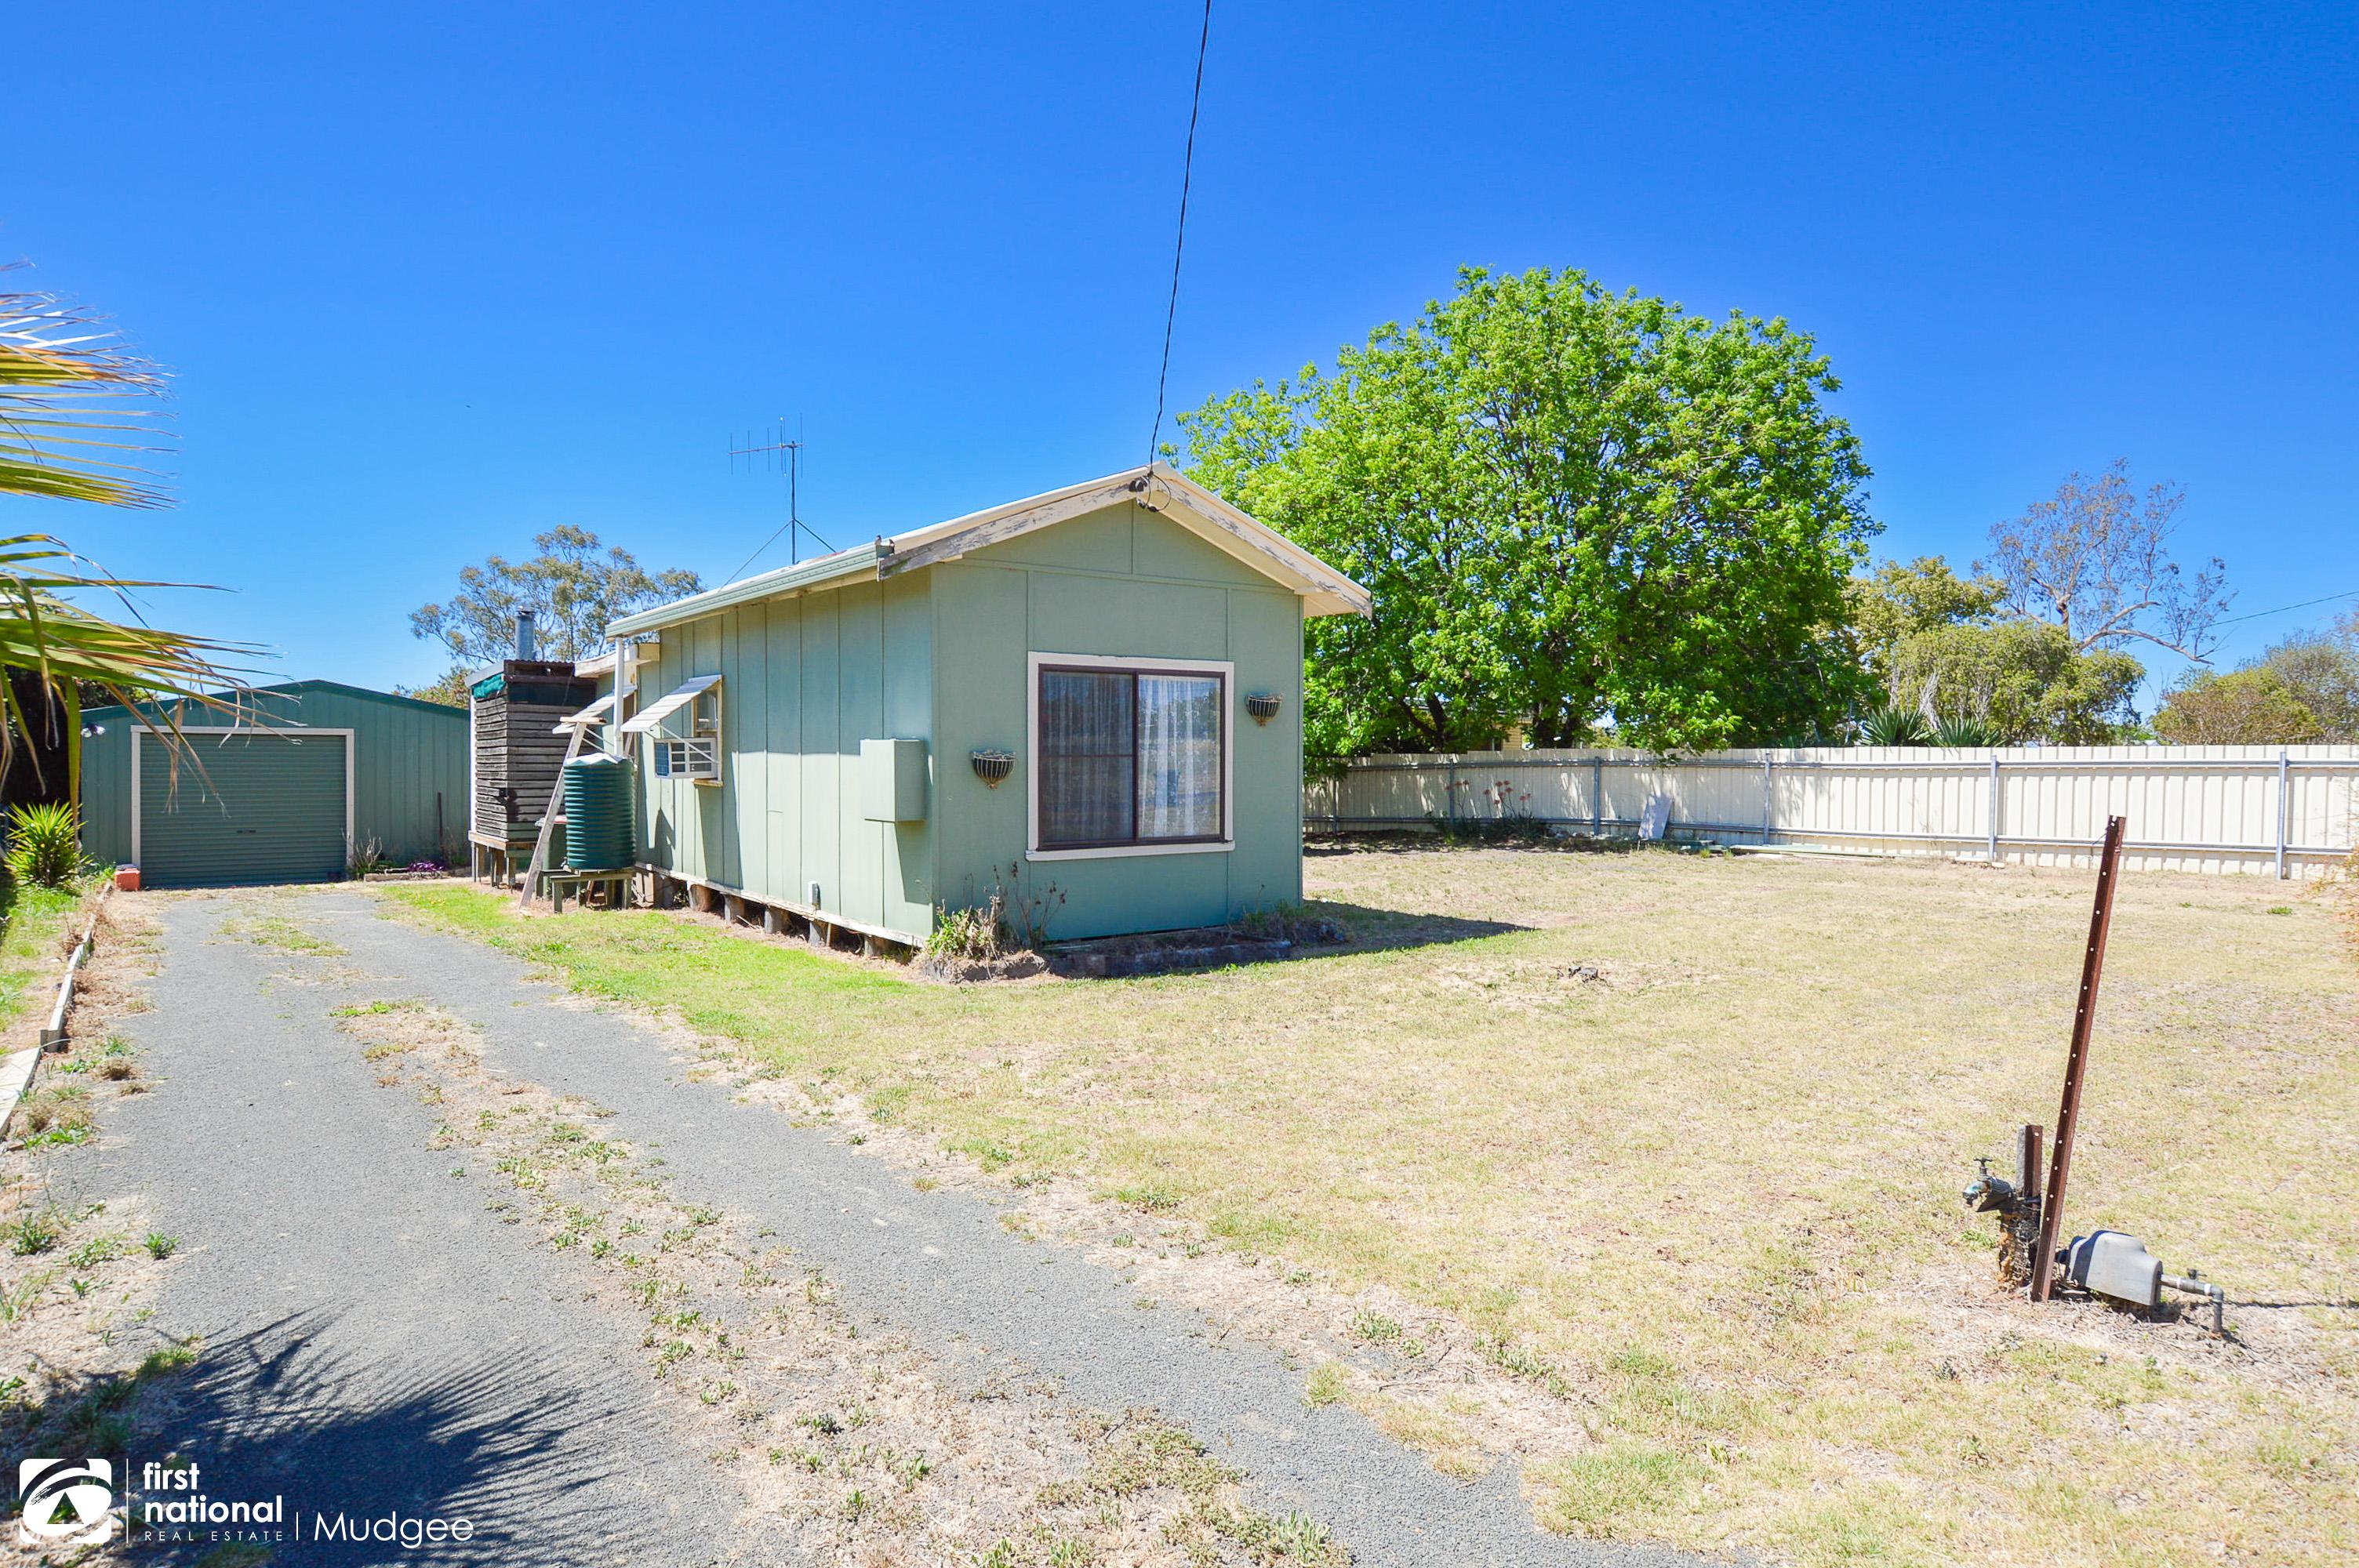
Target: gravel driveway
{"type": "Point", "coordinates": [375, 1341]}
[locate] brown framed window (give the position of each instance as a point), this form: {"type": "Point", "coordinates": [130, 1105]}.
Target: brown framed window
{"type": "Point", "coordinates": [1130, 756]}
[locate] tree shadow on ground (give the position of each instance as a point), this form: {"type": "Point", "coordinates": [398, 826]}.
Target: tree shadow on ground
{"type": "Point", "coordinates": [2329, 1304]}
{"type": "Point", "coordinates": [1372, 930]}
{"type": "Point", "coordinates": [272, 1413]}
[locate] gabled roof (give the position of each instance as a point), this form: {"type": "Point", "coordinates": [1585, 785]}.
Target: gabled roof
{"type": "Point", "coordinates": [1158, 488]}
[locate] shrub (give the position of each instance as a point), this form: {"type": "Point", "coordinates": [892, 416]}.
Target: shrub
{"type": "Point", "coordinates": [1498, 813]}
{"type": "Point", "coordinates": [44, 845]}
{"type": "Point", "coordinates": [365, 858]}
{"type": "Point", "coordinates": [977, 934]}
{"type": "Point", "coordinates": [1012, 920]}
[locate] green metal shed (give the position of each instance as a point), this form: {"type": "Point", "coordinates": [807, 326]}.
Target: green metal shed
{"type": "Point", "coordinates": [1089, 700]}
{"type": "Point", "coordinates": [279, 791]}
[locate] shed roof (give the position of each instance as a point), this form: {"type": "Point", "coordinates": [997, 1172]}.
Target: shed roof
{"type": "Point", "coordinates": [1158, 487]}
{"type": "Point", "coordinates": [293, 689]}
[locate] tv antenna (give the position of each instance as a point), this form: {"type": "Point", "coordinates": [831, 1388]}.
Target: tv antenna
{"type": "Point", "coordinates": [778, 454]}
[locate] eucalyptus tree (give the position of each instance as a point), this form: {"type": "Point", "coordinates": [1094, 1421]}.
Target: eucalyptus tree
{"type": "Point", "coordinates": [574, 587]}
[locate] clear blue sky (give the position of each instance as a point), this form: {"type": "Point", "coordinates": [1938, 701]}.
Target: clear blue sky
{"type": "Point", "coordinates": [434, 277]}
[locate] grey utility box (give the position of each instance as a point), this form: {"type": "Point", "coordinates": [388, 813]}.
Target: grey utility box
{"type": "Point", "coordinates": [2110, 1263]}
{"type": "Point", "coordinates": [893, 781]}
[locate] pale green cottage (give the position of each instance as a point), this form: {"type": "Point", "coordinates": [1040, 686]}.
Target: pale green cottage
{"type": "Point", "coordinates": [1092, 698]}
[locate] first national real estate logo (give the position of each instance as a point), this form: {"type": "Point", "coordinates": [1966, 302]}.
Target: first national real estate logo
{"type": "Point", "coordinates": [65, 1502]}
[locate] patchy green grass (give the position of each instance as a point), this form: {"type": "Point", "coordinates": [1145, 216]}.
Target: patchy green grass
{"type": "Point", "coordinates": [1706, 1196]}
{"type": "Point", "coordinates": [37, 918]}
{"type": "Point", "coordinates": [91, 1414]}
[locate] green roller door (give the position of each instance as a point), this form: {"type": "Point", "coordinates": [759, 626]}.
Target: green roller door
{"type": "Point", "coordinates": [249, 808]}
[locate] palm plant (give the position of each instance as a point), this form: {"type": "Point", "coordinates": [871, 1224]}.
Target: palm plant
{"type": "Point", "coordinates": [1893, 725]}
{"type": "Point", "coordinates": [1960, 731]}
{"type": "Point", "coordinates": [44, 844]}
{"type": "Point", "coordinates": [71, 429]}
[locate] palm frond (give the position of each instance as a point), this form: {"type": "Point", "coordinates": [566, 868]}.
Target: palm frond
{"type": "Point", "coordinates": [65, 433]}
{"type": "Point", "coordinates": [66, 646]}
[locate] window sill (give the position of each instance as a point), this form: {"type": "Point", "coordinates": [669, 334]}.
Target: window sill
{"type": "Point", "coordinates": [1124, 852]}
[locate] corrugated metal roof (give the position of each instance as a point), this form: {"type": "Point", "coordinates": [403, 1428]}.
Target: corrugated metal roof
{"type": "Point", "coordinates": [1157, 486]}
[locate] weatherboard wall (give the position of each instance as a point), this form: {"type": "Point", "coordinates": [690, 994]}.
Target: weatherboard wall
{"type": "Point", "coordinates": [803, 681]}
{"type": "Point", "coordinates": [941, 655]}
{"type": "Point", "coordinates": [1121, 583]}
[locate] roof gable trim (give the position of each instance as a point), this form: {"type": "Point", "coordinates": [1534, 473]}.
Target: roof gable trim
{"type": "Point", "coordinates": [1169, 494]}
{"type": "Point", "coordinates": [1157, 488]}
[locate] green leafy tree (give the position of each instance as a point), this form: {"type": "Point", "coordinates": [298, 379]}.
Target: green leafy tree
{"type": "Point", "coordinates": [450, 691]}
{"type": "Point", "coordinates": [1898, 601]}
{"type": "Point", "coordinates": [1578, 512]}
{"type": "Point", "coordinates": [574, 588]}
{"type": "Point", "coordinates": [2321, 669]}
{"type": "Point", "coordinates": [2251, 706]}
{"type": "Point", "coordinates": [2023, 679]}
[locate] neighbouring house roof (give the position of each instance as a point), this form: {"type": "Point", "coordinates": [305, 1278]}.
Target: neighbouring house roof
{"type": "Point", "coordinates": [1158, 487]}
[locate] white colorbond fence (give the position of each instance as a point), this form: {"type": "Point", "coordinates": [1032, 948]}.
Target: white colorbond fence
{"type": "Point", "coordinates": [2280, 811]}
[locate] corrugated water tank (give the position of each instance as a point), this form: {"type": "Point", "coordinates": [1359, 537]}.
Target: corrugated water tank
{"type": "Point", "coordinates": [597, 814]}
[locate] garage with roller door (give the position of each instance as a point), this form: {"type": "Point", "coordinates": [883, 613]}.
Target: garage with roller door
{"type": "Point", "coordinates": [289, 783]}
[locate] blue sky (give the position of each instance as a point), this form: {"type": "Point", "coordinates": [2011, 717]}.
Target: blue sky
{"type": "Point", "coordinates": [432, 279]}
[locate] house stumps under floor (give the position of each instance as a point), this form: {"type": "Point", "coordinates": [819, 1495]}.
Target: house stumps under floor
{"type": "Point", "coordinates": [666, 890]}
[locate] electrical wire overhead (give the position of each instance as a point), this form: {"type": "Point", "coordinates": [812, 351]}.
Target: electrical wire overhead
{"type": "Point", "coordinates": [1179, 244]}
{"type": "Point", "coordinates": [2281, 608]}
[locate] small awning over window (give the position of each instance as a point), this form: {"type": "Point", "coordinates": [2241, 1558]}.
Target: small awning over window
{"type": "Point", "coordinates": [672, 701]}
{"type": "Point", "coordinates": [594, 714]}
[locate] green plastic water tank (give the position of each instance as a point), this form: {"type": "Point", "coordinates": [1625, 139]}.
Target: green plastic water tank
{"type": "Point", "coordinates": [597, 814]}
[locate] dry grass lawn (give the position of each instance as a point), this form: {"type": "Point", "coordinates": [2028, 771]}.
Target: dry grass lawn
{"type": "Point", "coordinates": [1707, 1200]}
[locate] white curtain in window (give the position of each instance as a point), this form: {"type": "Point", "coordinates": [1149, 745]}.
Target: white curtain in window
{"type": "Point", "coordinates": [1087, 760]}
{"type": "Point", "coordinates": [1178, 756]}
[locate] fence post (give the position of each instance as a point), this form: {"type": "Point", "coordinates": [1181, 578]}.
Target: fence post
{"type": "Point", "coordinates": [1993, 810]}
{"type": "Point", "coordinates": [1768, 800]}
{"type": "Point", "coordinates": [2285, 807]}
{"type": "Point", "coordinates": [1596, 796]}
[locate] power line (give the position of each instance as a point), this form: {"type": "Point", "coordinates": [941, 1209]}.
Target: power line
{"type": "Point", "coordinates": [2281, 608]}
{"type": "Point", "coordinates": [1180, 243]}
